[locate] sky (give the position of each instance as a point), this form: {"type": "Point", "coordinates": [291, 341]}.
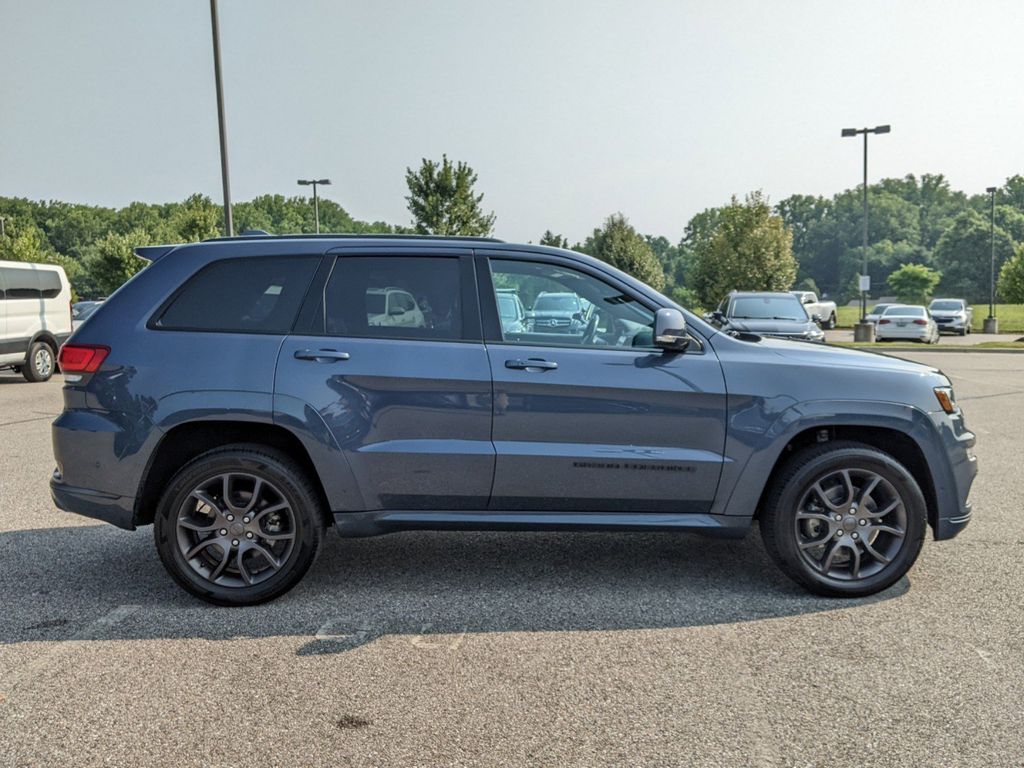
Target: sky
{"type": "Point", "coordinates": [568, 111]}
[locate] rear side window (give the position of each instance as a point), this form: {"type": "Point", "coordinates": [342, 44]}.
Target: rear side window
{"type": "Point", "coordinates": [29, 283]}
{"type": "Point", "coordinates": [397, 297]}
{"type": "Point", "coordinates": [257, 295]}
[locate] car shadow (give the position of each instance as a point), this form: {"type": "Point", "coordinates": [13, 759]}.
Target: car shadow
{"type": "Point", "coordinates": [97, 582]}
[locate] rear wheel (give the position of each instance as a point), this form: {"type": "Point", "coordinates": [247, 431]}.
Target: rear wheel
{"type": "Point", "coordinates": [844, 519]}
{"type": "Point", "coordinates": [40, 362]}
{"type": "Point", "coordinates": [831, 321]}
{"type": "Point", "coordinates": [239, 525]}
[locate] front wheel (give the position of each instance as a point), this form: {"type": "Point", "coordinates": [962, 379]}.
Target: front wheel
{"type": "Point", "coordinates": [239, 525]}
{"type": "Point", "coordinates": [844, 519]}
{"type": "Point", "coordinates": [832, 322]}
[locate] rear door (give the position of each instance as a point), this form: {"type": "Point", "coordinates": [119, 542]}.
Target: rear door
{"type": "Point", "coordinates": [597, 419]}
{"type": "Point", "coordinates": [409, 404]}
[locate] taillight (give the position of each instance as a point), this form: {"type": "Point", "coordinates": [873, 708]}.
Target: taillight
{"type": "Point", "coordinates": [884, 322]}
{"type": "Point", "coordinates": [920, 322]}
{"type": "Point", "coordinates": [81, 358]}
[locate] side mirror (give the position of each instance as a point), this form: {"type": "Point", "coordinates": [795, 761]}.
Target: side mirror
{"type": "Point", "coordinates": [396, 311]}
{"type": "Point", "coordinates": [670, 330]}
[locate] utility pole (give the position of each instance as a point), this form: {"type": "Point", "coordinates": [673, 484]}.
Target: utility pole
{"type": "Point", "coordinates": [229, 227]}
{"type": "Point", "coordinates": [991, 322]}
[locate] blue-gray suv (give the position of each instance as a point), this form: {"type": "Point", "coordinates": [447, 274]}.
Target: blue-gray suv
{"type": "Point", "coordinates": [244, 394]}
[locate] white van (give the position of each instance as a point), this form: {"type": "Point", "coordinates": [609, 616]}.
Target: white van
{"type": "Point", "coordinates": [35, 317]}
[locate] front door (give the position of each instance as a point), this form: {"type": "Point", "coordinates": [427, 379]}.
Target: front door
{"type": "Point", "coordinates": [588, 414]}
{"type": "Point", "coordinates": [396, 371]}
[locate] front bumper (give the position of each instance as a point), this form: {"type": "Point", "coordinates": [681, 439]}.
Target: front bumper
{"type": "Point", "coordinates": [951, 324]}
{"type": "Point", "coordinates": [953, 492]}
{"type": "Point", "coordinates": [116, 510]}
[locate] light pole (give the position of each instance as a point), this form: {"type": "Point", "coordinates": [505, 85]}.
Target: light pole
{"type": "Point", "coordinates": [991, 323]}
{"type": "Point", "coordinates": [316, 201]}
{"type": "Point", "coordinates": [865, 331]}
{"type": "Point", "coordinates": [229, 227]}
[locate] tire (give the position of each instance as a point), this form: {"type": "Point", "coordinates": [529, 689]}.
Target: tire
{"type": "Point", "coordinates": [40, 362]}
{"type": "Point", "coordinates": [285, 521]}
{"type": "Point", "coordinates": [963, 331]}
{"type": "Point", "coordinates": [831, 321]}
{"type": "Point", "coordinates": [795, 514]}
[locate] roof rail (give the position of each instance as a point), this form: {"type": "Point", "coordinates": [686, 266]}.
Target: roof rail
{"type": "Point", "coordinates": [259, 233]}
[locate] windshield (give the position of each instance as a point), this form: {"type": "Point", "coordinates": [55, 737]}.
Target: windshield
{"type": "Point", "coordinates": [947, 306]}
{"type": "Point", "coordinates": [83, 311]}
{"type": "Point", "coordinates": [880, 308]}
{"type": "Point", "coordinates": [557, 304]}
{"type": "Point", "coordinates": [905, 312]}
{"type": "Point", "coordinates": [507, 307]}
{"type": "Point", "coordinates": [767, 308]}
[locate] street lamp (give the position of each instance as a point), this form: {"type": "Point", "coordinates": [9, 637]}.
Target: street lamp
{"type": "Point", "coordinates": [865, 331]}
{"type": "Point", "coordinates": [991, 323]}
{"type": "Point", "coordinates": [316, 202]}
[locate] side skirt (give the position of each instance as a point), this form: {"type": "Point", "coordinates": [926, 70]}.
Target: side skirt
{"type": "Point", "coordinates": [352, 524]}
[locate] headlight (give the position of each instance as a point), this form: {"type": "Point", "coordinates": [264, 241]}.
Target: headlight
{"type": "Point", "coordinates": [946, 399]}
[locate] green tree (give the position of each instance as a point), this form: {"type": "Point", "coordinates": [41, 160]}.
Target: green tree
{"type": "Point", "coordinates": [112, 261]}
{"type": "Point", "coordinates": [914, 283]}
{"type": "Point", "coordinates": [964, 253]}
{"type": "Point", "coordinates": [1011, 278]}
{"type": "Point", "coordinates": [555, 241]}
{"type": "Point", "coordinates": [751, 250]}
{"type": "Point", "coordinates": [442, 202]}
{"type": "Point", "coordinates": [197, 218]}
{"type": "Point", "coordinates": [618, 244]}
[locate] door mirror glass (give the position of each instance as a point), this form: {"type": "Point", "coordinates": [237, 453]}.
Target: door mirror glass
{"type": "Point", "coordinates": [670, 330]}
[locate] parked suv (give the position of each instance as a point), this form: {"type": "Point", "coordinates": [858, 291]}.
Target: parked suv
{"type": "Point", "coordinates": [767, 314]}
{"type": "Point", "coordinates": [236, 395]}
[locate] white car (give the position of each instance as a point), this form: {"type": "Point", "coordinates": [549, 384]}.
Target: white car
{"type": "Point", "coordinates": [35, 317]}
{"type": "Point", "coordinates": [907, 321]}
{"type": "Point", "coordinates": [393, 307]}
{"type": "Point", "coordinates": [954, 315]}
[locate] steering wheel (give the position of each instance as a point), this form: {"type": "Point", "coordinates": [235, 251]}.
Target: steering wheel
{"type": "Point", "coordinates": [590, 332]}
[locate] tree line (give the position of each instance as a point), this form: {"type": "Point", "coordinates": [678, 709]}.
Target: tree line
{"type": "Point", "coordinates": [923, 236]}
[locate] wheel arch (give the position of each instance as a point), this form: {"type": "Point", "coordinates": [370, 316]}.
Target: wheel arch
{"type": "Point", "coordinates": [903, 431]}
{"type": "Point", "coordinates": [900, 445]}
{"type": "Point", "coordinates": [187, 440]}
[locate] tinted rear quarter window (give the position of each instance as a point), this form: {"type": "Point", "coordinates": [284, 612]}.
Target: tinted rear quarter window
{"type": "Point", "coordinates": [243, 295]}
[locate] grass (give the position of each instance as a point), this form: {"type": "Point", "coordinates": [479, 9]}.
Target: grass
{"type": "Point", "coordinates": [898, 347]}
{"type": "Point", "coordinates": [1011, 317]}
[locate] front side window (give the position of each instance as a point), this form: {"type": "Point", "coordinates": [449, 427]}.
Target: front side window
{"type": "Point", "coordinates": [394, 296]}
{"type": "Point", "coordinates": [247, 295]}
{"type": "Point", "coordinates": [566, 307]}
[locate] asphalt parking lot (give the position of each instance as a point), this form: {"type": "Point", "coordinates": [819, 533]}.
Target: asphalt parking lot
{"type": "Point", "coordinates": [513, 649]}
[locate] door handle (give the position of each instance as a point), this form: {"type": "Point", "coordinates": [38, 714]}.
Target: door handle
{"type": "Point", "coordinates": [321, 355]}
{"type": "Point", "coordinates": [533, 363]}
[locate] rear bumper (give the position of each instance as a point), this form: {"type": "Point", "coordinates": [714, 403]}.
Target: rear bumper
{"type": "Point", "coordinates": [116, 510]}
